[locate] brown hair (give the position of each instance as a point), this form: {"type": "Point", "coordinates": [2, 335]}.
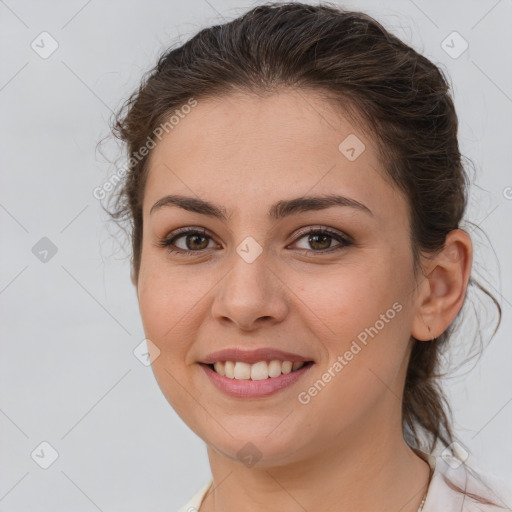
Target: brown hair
{"type": "Point", "coordinates": [401, 98]}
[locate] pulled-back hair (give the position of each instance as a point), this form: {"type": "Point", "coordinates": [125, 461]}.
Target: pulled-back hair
{"type": "Point", "coordinates": [397, 96]}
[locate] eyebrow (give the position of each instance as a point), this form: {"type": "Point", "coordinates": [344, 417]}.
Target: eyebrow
{"type": "Point", "coordinates": [277, 211]}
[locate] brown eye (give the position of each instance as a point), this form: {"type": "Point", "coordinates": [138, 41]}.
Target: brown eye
{"type": "Point", "coordinates": [186, 241]}
{"type": "Point", "coordinates": [321, 241]}
{"type": "Point", "coordinates": [193, 242]}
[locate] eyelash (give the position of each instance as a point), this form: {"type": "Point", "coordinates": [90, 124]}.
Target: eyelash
{"type": "Point", "coordinates": [167, 243]}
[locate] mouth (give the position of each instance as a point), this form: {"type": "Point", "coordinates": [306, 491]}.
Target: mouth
{"type": "Point", "coordinates": [259, 379]}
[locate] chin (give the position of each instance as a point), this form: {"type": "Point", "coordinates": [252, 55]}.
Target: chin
{"type": "Point", "coordinates": [256, 443]}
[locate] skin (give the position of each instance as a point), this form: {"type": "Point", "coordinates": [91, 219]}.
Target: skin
{"type": "Point", "coordinates": [244, 153]}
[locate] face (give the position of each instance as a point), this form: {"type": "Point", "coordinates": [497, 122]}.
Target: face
{"type": "Point", "coordinates": [255, 277]}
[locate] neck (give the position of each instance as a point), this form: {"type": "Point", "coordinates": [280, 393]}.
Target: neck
{"type": "Point", "coordinates": [377, 475]}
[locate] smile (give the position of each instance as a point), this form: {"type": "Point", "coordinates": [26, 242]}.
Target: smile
{"type": "Point", "coordinates": [261, 379]}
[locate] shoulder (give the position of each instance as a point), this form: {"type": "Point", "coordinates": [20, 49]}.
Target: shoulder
{"type": "Point", "coordinates": [457, 488]}
{"type": "Point", "coordinates": [195, 502]}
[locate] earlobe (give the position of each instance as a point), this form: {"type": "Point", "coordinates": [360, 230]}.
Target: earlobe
{"type": "Point", "coordinates": [444, 290]}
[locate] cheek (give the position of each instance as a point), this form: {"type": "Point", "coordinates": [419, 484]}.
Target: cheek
{"type": "Point", "coordinates": [366, 312]}
{"type": "Point", "coordinates": [172, 310]}
{"type": "Point", "coordinates": [165, 295]}
{"type": "Point", "coordinates": [163, 309]}
{"type": "Point", "coordinates": [350, 298]}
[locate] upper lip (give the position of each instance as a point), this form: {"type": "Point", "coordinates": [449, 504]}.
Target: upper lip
{"type": "Point", "coordinates": [253, 356]}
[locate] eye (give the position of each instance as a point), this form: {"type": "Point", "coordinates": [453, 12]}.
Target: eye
{"type": "Point", "coordinates": [321, 239]}
{"type": "Point", "coordinates": [193, 241]}
{"type": "Point", "coordinates": [196, 240]}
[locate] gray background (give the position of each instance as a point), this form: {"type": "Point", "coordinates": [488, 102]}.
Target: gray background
{"type": "Point", "coordinates": [69, 325]}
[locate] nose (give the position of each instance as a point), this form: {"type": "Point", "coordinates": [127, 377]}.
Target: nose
{"type": "Point", "coordinates": [250, 295]}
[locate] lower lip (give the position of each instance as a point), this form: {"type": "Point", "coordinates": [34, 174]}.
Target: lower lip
{"type": "Point", "coordinates": [253, 388]}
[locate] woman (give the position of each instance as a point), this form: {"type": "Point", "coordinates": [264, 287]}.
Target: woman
{"type": "Point", "coordinates": [295, 191]}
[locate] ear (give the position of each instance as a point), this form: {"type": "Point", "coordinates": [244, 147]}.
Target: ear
{"type": "Point", "coordinates": [441, 293]}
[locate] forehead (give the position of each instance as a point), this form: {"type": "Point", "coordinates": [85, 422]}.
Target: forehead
{"type": "Point", "coordinates": [248, 151]}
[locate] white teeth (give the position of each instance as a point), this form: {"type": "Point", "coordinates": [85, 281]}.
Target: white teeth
{"type": "Point", "coordinates": [229, 369]}
{"type": "Point", "coordinates": [286, 367]}
{"type": "Point", "coordinates": [219, 368]}
{"type": "Point", "coordinates": [274, 368]}
{"type": "Point", "coordinates": [258, 371]}
{"type": "Point", "coordinates": [242, 371]}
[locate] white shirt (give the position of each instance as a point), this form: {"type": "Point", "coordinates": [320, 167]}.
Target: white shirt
{"type": "Point", "coordinates": [440, 496]}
